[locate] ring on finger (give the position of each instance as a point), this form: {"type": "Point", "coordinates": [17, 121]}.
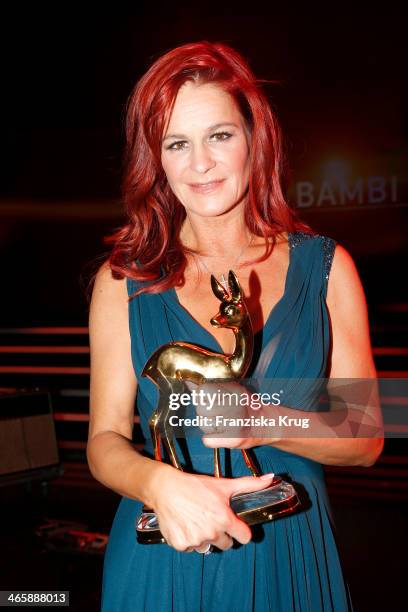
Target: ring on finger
{"type": "Point", "coordinates": [207, 551]}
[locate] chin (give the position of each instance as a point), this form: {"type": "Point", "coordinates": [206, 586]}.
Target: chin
{"type": "Point", "coordinates": [216, 211]}
{"type": "Point", "coordinates": [212, 209]}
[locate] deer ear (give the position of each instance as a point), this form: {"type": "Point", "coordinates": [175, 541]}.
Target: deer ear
{"type": "Point", "coordinates": [235, 287]}
{"type": "Point", "coordinates": [218, 289]}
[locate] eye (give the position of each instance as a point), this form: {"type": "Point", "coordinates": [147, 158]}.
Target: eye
{"type": "Point", "coordinates": [221, 136]}
{"type": "Point", "coordinates": [176, 146]}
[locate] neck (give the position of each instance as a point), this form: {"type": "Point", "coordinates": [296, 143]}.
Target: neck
{"type": "Point", "coordinates": [214, 237]}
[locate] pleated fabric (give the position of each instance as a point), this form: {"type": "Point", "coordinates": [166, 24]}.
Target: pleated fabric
{"type": "Point", "coordinates": [292, 563]}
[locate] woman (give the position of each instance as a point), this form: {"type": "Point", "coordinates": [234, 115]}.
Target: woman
{"type": "Point", "coordinates": [203, 196]}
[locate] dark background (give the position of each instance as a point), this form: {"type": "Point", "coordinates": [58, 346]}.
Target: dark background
{"type": "Point", "coordinates": [341, 98]}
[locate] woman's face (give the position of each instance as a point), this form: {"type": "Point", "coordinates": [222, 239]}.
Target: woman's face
{"type": "Point", "coordinates": [205, 150]}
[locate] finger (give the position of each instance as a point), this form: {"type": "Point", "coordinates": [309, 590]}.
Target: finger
{"type": "Point", "coordinates": [223, 542]}
{"type": "Point", "coordinates": [246, 484]}
{"type": "Point", "coordinates": [214, 440]}
{"type": "Point", "coordinates": [239, 530]}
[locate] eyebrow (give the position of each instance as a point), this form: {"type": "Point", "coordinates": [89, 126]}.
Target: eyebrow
{"type": "Point", "coordinates": [212, 127]}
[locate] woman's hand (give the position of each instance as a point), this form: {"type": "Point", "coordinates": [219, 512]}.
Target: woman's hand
{"type": "Point", "coordinates": [193, 510]}
{"type": "Point", "coordinates": [233, 424]}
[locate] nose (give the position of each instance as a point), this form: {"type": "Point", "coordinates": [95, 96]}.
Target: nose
{"type": "Point", "coordinates": [201, 159]}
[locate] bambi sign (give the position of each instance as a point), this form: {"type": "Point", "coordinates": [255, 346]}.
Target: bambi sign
{"type": "Point", "coordinates": [374, 190]}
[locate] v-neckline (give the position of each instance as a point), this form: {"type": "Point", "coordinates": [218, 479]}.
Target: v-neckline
{"type": "Point", "coordinates": [173, 294]}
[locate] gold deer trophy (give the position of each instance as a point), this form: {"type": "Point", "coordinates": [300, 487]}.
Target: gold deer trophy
{"type": "Point", "coordinates": [176, 362]}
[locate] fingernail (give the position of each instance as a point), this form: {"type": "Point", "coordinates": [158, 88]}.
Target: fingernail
{"type": "Point", "coordinates": [267, 476]}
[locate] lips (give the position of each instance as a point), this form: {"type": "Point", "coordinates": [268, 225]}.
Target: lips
{"type": "Point", "coordinates": [206, 187]}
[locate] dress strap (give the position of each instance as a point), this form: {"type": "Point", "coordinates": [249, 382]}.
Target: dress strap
{"type": "Point", "coordinates": [328, 246]}
{"type": "Point", "coordinates": [298, 238]}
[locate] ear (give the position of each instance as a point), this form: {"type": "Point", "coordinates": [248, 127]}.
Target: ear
{"type": "Point", "coordinates": [234, 285]}
{"type": "Point", "coordinates": [218, 289]}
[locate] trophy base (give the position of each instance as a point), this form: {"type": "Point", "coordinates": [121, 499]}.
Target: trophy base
{"type": "Point", "coordinates": [253, 508]}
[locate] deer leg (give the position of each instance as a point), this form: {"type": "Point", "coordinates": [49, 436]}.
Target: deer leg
{"type": "Point", "coordinates": [155, 435]}
{"type": "Point", "coordinates": [168, 441]}
{"type": "Point", "coordinates": [198, 379]}
{"type": "Point", "coordinates": [217, 463]}
{"type": "Point", "coordinates": [168, 437]}
{"type": "Point", "coordinates": [250, 463]}
{"type": "Point", "coordinates": [155, 422]}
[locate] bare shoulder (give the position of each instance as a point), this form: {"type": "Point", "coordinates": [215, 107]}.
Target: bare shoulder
{"type": "Point", "coordinates": [343, 262]}
{"type": "Point", "coordinates": [344, 286]}
{"type": "Point", "coordinates": [346, 302]}
{"type": "Point", "coordinates": [108, 290]}
{"type": "Point", "coordinates": [104, 280]}
{"type": "Point", "coordinates": [113, 381]}
{"type": "Point", "coordinates": [104, 270]}
{"type": "Point", "coordinates": [109, 303]}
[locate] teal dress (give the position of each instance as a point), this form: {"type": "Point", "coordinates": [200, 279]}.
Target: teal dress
{"type": "Point", "coordinates": [292, 563]}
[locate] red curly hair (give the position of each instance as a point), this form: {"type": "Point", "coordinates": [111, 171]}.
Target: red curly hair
{"type": "Point", "coordinates": [154, 214]}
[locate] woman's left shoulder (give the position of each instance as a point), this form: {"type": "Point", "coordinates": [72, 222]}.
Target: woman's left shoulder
{"type": "Point", "coordinates": [339, 264]}
{"type": "Point", "coordinates": [351, 355]}
{"type": "Point", "coordinates": [344, 283]}
{"type": "Point", "coordinates": [339, 269]}
{"type": "Point", "coordinates": [343, 265]}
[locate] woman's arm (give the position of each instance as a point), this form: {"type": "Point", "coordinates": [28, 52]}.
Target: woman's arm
{"type": "Point", "coordinates": [112, 458]}
{"type": "Point", "coordinates": [351, 358]}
